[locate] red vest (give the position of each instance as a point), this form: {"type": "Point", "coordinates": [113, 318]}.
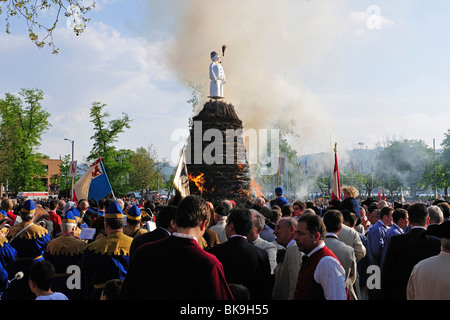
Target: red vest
{"type": "Point", "coordinates": [307, 288]}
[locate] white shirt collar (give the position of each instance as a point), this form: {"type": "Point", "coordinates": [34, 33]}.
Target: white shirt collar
{"type": "Point", "coordinates": [330, 234]}
{"type": "Point", "coordinates": [183, 235]}
{"type": "Point", "coordinates": [320, 246]}
{"type": "Point", "coordinates": [238, 235]}
{"type": "Point", "coordinates": [290, 243]}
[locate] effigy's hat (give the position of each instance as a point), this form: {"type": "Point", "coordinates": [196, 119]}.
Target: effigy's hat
{"type": "Point", "coordinates": [214, 56]}
{"type": "Point", "coordinates": [28, 207]}
{"type": "Point", "coordinates": [69, 216]}
{"type": "Point", "coordinates": [114, 211]}
{"type": "Point", "coordinates": [134, 213]}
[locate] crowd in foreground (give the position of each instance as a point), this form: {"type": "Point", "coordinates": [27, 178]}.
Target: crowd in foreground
{"type": "Point", "coordinates": [192, 249]}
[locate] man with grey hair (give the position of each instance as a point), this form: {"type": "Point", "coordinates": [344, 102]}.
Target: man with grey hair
{"type": "Point", "coordinates": [259, 201]}
{"type": "Point", "coordinates": [436, 214]}
{"type": "Point", "coordinates": [289, 260]}
{"type": "Point", "coordinates": [254, 238]}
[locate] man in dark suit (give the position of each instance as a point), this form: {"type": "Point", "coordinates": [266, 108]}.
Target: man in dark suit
{"type": "Point", "coordinates": [405, 251]}
{"type": "Point", "coordinates": [183, 270]}
{"type": "Point", "coordinates": [243, 262]}
{"type": "Point", "coordinates": [165, 222]}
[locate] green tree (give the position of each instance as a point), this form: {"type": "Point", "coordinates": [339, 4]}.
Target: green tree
{"type": "Point", "coordinates": [368, 181]}
{"type": "Point", "coordinates": [119, 167]}
{"type": "Point", "coordinates": [443, 165]}
{"type": "Point", "coordinates": [23, 122]}
{"type": "Point", "coordinates": [147, 170]}
{"type": "Point", "coordinates": [403, 163]}
{"type": "Point", "coordinates": [106, 132]}
{"type": "Point", "coordinates": [323, 183]}
{"type": "Point", "coordinates": [44, 16]}
{"type": "Point", "coordinates": [442, 174]}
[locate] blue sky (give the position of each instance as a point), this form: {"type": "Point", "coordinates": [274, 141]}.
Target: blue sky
{"type": "Point", "coordinates": [337, 78]}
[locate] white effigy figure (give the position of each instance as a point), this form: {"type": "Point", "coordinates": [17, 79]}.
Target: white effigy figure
{"type": "Point", "coordinates": [217, 76]}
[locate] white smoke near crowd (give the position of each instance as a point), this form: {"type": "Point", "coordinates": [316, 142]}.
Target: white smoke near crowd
{"type": "Point", "coordinates": [269, 43]}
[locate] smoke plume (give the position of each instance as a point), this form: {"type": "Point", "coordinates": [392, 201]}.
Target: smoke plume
{"type": "Point", "coordinates": [270, 44]}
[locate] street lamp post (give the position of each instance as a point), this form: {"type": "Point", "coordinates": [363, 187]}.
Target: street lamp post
{"type": "Point", "coordinates": [71, 189]}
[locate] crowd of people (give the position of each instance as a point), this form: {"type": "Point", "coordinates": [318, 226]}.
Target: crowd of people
{"type": "Point", "coordinates": [193, 249]}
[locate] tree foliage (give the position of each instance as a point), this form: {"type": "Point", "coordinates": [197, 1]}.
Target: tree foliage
{"type": "Point", "coordinates": [23, 122]}
{"type": "Point", "coordinates": [106, 132]}
{"type": "Point", "coordinates": [36, 14]}
{"type": "Point", "coordinates": [403, 163]}
{"type": "Point", "coordinates": [147, 170]}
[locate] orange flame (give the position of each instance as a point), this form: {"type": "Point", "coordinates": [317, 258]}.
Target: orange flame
{"type": "Point", "coordinates": [256, 188]}
{"type": "Point", "coordinates": [198, 180]}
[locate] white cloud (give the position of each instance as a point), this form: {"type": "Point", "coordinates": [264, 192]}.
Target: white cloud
{"type": "Point", "coordinates": [127, 74]}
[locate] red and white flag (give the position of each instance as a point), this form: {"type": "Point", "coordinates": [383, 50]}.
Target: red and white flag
{"type": "Point", "coordinates": [336, 190]}
{"type": "Point", "coordinates": [94, 184]}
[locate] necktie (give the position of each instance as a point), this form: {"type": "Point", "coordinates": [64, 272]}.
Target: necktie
{"type": "Point", "coordinates": [305, 260]}
{"type": "Point", "coordinates": [280, 255]}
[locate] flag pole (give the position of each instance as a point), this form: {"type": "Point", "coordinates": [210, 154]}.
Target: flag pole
{"type": "Point", "coordinates": [278, 172]}
{"type": "Point", "coordinates": [104, 170]}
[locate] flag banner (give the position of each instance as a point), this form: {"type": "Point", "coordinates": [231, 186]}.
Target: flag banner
{"type": "Point", "coordinates": [181, 178]}
{"type": "Point", "coordinates": [94, 184]}
{"type": "Point", "coordinates": [73, 168]}
{"type": "Point", "coordinates": [336, 190]}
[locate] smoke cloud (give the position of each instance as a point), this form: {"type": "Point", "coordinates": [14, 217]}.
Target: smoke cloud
{"type": "Point", "coordinates": [270, 44]}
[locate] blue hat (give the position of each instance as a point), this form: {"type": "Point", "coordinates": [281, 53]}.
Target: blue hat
{"type": "Point", "coordinates": [134, 213]}
{"type": "Point", "coordinates": [69, 216]}
{"type": "Point", "coordinates": [279, 190]}
{"type": "Point", "coordinates": [28, 207]}
{"type": "Point", "coordinates": [77, 214]}
{"type": "Point", "coordinates": [114, 211]}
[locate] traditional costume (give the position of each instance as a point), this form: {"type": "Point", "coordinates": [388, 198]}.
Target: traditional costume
{"type": "Point", "coordinates": [132, 229]}
{"type": "Point", "coordinates": [30, 241]}
{"type": "Point", "coordinates": [64, 251]}
{"type": "Point", "coordinates": [7, 256]}
{"type": "Point", "coordinates": [106, 258]}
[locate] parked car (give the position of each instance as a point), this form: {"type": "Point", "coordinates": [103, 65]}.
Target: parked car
{"type": "Point", "coordinates": [32, 195]}
{"type": "Point", "coordinates": [134, 195]}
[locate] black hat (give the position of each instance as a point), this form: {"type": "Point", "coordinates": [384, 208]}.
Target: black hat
{"type": "Point", "coordinates": [441, 231]}
{"type": "Point", "coordinates": [222, 210]}
{"type": "Point", "coordinates": [267, 213]}
{"type": "Point", "coordinates": [368, 201]}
